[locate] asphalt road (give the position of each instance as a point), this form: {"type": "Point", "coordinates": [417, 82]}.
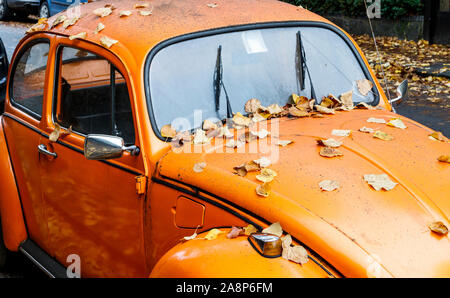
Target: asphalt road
{"type": "Point", "coordinates": [428, 113]}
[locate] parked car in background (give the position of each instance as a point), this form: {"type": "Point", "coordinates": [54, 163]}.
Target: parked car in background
{"type": "Point", "coordinates": [19, 8]}
{"type": "Point", "coordinates": [48, 8]}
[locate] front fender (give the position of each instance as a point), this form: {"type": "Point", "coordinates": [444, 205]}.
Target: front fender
{"type": "Point", "coordinates": [227, 258]}
{"type": "Point", "coordinates": [11, 216]}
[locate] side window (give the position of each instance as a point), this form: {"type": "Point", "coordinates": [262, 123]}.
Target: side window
{"type": "Point", "coordinates": [29, 78]}
{"type": "Point", "coordinates": [92, 96]}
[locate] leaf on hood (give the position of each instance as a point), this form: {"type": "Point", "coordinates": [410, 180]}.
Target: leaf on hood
{"type": "Point", "coordinates": [250, 229]}
{"type": "Point", "coordinates": [252, 106]}
{"type": "Point", "coordinates": [297, 253]}
{"type": "Point", "coordinates": [266, 175]}
{"type": "Point", "coordinates": [247, 137]}
{"type": "Point", "coordinates": [167, 131]}
{"type": "Point", "coordinates": [99, 28]}
{"type": "Point", "coordinates": [330, 152]}
{"type": "Point", "coordinates": [261, 134]}
{"type": "Point", "coordinates": [284, 143]}
{"type": "Point", "coordinates": [302, 102]}
{"type": "Point", "coordinates": [181, 138]}
{"type": "Point", "coordinates": [250, 166]}
{"type": "Point", "coordinates": [193, 236]}
{"type": "Point", "coordinates": [208, 124]}
{"type": "Point", "coordinates": [107, 42]}
{"type": "Point", "coordinates": [382, 136]}
{"type": "Point", "coordinates": [102, 11]}
{"type": "Point", "coordinates": [54, 135]}
{"type": "Point", "coordinates": [379, 182]}
{"type": "Point", "coordinates": [396, 122]}
{"type": "Point", "coordinates": [364, 106]}
{"type": "Point", "coordinates": [329, 185]}
{"type": "Point", "coordinates": [234, 144]}
{"type": "Point", "coordinates": [366, 129]}
{"type": "Point", "coordinates": [324, 110]}
{"type": "Point", "coordinates": [347, 99]}
{"type": "Point", "coordinates": [295, 112]}
{"type": "Point", "coordinates": [274, 229]}
{"type": "Point", "coordinates": [200, 137]}
{"type": "Point", "coordinates": [235, 232]}
{"type": "Point", "coordinates": [60, 19]}
{"type": "Point", "coordinates": [125, 13]}
{"type": "Point", "coordinates": [141, 5]}
{"type": "Point", "coordinates": [438, 227]}
{"type": "Point", "coordinates": [444, 158]}
{"type": "Point", "coordinates": [198, 167]}
{"type": "Point", "coordinates": [437, 136]}
{"type": "Point", "coordinates": [212, 234]}
{"type": "Point", "coordinates": [145, 12]}
{"type": "Point", "coordinates": [329, 143]}
{"type": "Point", "coordinates": [257, 117]}
{"type": "Point", "coordinates": [241, 120]}
{"type": "Point", "coordinates": [212, 5]}
{"type": "Point", "coordinates": [263, 162]}
{"type": "Point", "coordinates": [330, 102]}
{"type": "Point", "coordinates": [317, 115]}
{"type": "Point", "coordinates": [364, 86]}
{"type": "Point", "coordinates": [263, 190]}
{"type": "Point", "coordinates": [376, 120]}
{"type": "Point", "coordinates": [274, 109]}
{"type": "Point", "coordinates": [341, 132]}
{"type": "Point", "coordinates": [81, 35]}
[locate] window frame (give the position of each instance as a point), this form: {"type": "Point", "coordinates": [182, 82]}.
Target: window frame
{"type": "Point", "coordinates": [56, 89]}
{"type": "Point", "coordinates": [18, 57]}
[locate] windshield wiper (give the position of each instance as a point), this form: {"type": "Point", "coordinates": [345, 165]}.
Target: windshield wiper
{"type": "Point", "coordinates": [218, 84]}
{"type": "Point", "coordinates": [302, 66]}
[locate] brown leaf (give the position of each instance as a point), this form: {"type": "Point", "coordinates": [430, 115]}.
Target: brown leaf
{"type": "Point", "coordinates": [366, 129]}
{"type": "Point", "coordinates": [438, 227]}
{"type": "Point", "coordinates": [297, 253]}
{"type": "Point", "coordinates": [141, 5]}
{"type": "Point", "coordinates": [438, 136]}
{"type": "Point", "coordinates": [329, 143]}
{"type": "Point", "coordinates": [54, 135]}
{"type": "Point", "coordinates": [252, 106]}
{"type": "Point", "coordinates": [167, 131]}
{"type": "Point", "coordinates": [324, 110]}
{"type": "Point", "coordinates": [363, 105]}
{"type": "Point", "coordinates": [295, 112]}
{"type": "Point", "coordinates": [235, 232]}
{"type": "Point", "coordinates": [364, 86]}
{"type": "Point", "coordinates": [250, 229]}
{"type": "Point", "coordinates": [444, 158]}
{"type": "Point", "coordinates": [60, 19]}
{"type": "Point", "coordinates": [346, 99]}
{"type": "Point", "coordinates": [330, 102]}
{"type": "Point", "coordinates": [330, 152]}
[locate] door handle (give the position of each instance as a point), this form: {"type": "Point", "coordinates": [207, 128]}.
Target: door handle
{"type": "Point", "coordinates": [43, 149]}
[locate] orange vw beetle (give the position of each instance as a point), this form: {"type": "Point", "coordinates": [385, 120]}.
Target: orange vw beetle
{"type": "Point", "coordinates": [114, 157]}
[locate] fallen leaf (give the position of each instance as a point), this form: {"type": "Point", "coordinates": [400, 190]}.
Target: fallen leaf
{"type": "Point", "coordinates": [396, 122]}
{"type": "Point", "coordinates": [99, 28]}
{"type": "Point", "coordinates": [283, 143]}
{"type": "Point", "coordinates": [107, 42]}
{"type": "Point", "coordinates": [200, 137]}
{"type": "Point", "coordinates": [383, 136]}
{"type": "Point", "coordinates": [193, 236]}
{"type": "Point", "coordinates": [54, 135]}
{"type": "Point", "coordinates": [274, 229]}
{"type": "Point", "coordinates": [225, 132]}
{"type": "Point", "coordinates": [243, 169]}
{"type": "Point", "coordinates": [69, 22]}
{"type": "Point", "coordinates": [263, 190]}
{"type": "Point", "coordinates": [364, 86]}
{"type": "Point", "coordinates": [208, 124]}
{"type": "Point", "coordinates": [250, 229]}
{"type": "Point", "coordinates": [379, 182]}
{"type": "Point", "coordinates": [329, 143]}
{"type": "Point", "coordinates": [260, 134]}
{"type": "Point", "coordinates": [363, 105]}
{"type": "Point", "coordinates": [329, 185]}
{"type": "Point", "coordinates": [266, 175]}
{"type": "Point", "coordinates": [145, 12]}
{"type": "Point", "coordinates": [252, 106]}
{"type": "Point", "coordinates": [180, 139]}
{"type": "Point", "coordinates": [257, 117]}
{"type": "Point", "coordinates": [60, 19]}
{"type": "Point", "coordinates": [234, 232]}
{"type": "Point", "coordinates": [241, 120]}
{"type": "Point", "coordinates": [438, 227]}
{"type": "Point", "coordinates": [376, 120]}
{"type": "Point", "coordinates": [438, 136]}
{"type": "Point", "coordinates": [198, 167]}
{"type": "Point", "coordinates": [36, 27]}
{"type": "Point", "coordinates": [346, 99]}
{"type": "Point", "coordinates": [81, 35]}
{"type": "Point", "coordinates": [263, 162]}
{"type": "Point", "coordinates": [341, 132]}
{"type": "Point", "coordinates": [366, 129]}
{"type": "Point", "coordinates": [274, 109]}
{"type": "Point", "coordinates": [234, 144]}
{"type": "Point", "coordinates": [141, 5]}
{"type": "Point", "coordinates": [297, 253]}
{"type": "Point", "coordinates": [330, 152]}
{"type": "Point", "coordinates": [444, 158]}
{"type": "Point", "coordinates": [330, 102]}
{"type": "Point", "coordinates": [295, 112]}
{"type": "Point", "coordinates": [125, 13]}
{"type": "Point", "coordinates": [324, 110]}
{"type": "Point", "coordinates": [212, 234]}
{"type": "Point", "coordinates": [102, 11]}
{"type": "Point", "coordinates": [167, 131]}
{"type": "Point", "coordinates": [212, 5]}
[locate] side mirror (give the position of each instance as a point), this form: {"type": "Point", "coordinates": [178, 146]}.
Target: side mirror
{"type": "Point", "coordinates": [402, 92]}
{"type": "Point", "coordinates": [101, 147]}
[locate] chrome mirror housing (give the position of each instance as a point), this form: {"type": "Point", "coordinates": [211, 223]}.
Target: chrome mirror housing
{"type": "Point", "coordinates": [402, 92]}
{"type": "Point", "coordinates": [99, 147]}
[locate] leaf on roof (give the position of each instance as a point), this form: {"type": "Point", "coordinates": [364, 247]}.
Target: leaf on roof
{"type": "Point", "coordinates": [263, 162]}
{"type": "Point", "coordinates": [267, 175]}
{"type": "Point", "coordinates": [382, 136]}
{"type": "Point", "coordinates": [438, 227]}
{"type": "Point", "coordinates": [366, 129]}
{"type": "Point", "coordinates": [263, 190]}
{"type": "Point", "coordinates": [274, 229]}
{"type": "Point", "coordinates": [200, 137]}
{"type": "Point", "coordinates": [99, 28]}
{"type": "Point", "coordinates": [330, 102]}
{"type": "Point", "coordinates": [261, 134]}
{"type": "Point", "coordinates": [341, 132]}
{"type": "Point", "coordinates": [444, 158]}
{"type": "Point", "coordinates": [396, 122]}
{"type": "Point", "coordinates": [141, 5]}
{"type": "Point", "coordinates": [243, 169]}
{"type": "Point", "coordinates": [347, 99]}
{"type": "Point", "coordinates": [145, 12]}
{"type": "Point", "coordinates": [208, 124]}
{"type": "Point", "coordinates": [364, 86]}
{"type": "Point", "coordinates": [69, 22]}
{"type": "Point", "coordinates": [297, 253]}
{"type": "Point", "coordinates": [376, 120]}
{"type": "Point", "coordinates": [125, 13]}
{"type": "Point", "coordinates": [212, 5]}
{"type": "Point", "coordinates": [59, 19]}
{"type": "Point", "coordinates": [274, 109]}
{"type": "Point", "coordinates": [295, 112]}
{"type": "Point", "coordinates": [329, 185]}
{"type": "Point", "coordinates": [36, 27]}
{"type": "Point", "coordinates": [284, 143]}
{"type": "Point", "coordinates": [324, 110]}
{"type": "Point", "coordinates": [80, 35]}
{"type": "Point", "coordinates": [329, 143]}
{"type": "Point", "coordinates": [107, 42]}
{"type": "Point", "coordinates": [198, 167]}
{"type": "Point", "coordinates": [437, 136]}
{"type": "Point", "coordinates": [364, 106]}
{"type": "Point", "coordinates": [167, 131]}
{"type": "Point", "coordinates": [234, 144]}
{"type": "Point", "coordinates": [102, 11]}
{"type": "Point", "coordinates": [241, 120]}
{"type": "Point", "coordinates": [329, 152]}
{"type": "Point", "coordinates": [379, 182]}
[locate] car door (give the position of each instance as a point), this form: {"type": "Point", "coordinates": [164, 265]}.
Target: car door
{"type": "Point", "coordinates": [93, 209]}
{"type": "Point", "coordinates": [22, 122]}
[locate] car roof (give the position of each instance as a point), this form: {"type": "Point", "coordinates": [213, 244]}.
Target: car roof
{"type": "Point", "coordinates": [137, 34]}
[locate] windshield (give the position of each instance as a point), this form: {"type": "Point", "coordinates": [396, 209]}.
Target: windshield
{"type": "Point", "coordinates": [255, 64]}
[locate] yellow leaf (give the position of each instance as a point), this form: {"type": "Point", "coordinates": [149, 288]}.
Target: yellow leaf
{"type": "Point", "coordinates": [167, 131]}
{"type": "Point", "coordinates": [382, 136]}
{"type": "Point", "coordinates": [234, 232]}
{"type": "Point", "coordinates": [274, 229]}
{"type": "Point", "coordinates": [141, 5]}
{"type": "Point", "coordinates": [438, 227]}
{"type": "Point", "coordinates": [198, 167]}
{"type": "Point", "coordinates": [69, 22]}
{"type": "Point", "coordinates": [437, 135]}
{"type": "Point", "coordinates": [266, 175]}
{"type": "Point", "coordinates": [99, 28]}
{"type": "Point", "coordinates": [250, 229]}
{"type": "Point", "coordinates": [396, 122]}
{"type": "Point", "coordinates": [107, 42]}
{"type": "Point", "coordinates": [58, 20]}
{"type": "Point", "coordinates": [212, 234]}
{"type": "Point", "coordinates": [444, 158]}
{"type": "Point", "coordinates": [81, 35]}
{"type": "Point", "coordinates": [263, 190]}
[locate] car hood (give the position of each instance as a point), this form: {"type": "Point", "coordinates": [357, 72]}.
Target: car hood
{"type": "Point", "coordinates": [358, 230]}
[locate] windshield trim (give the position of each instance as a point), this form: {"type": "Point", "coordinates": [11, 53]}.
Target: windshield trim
{"type": "Point", "coordinates": [238, 28]}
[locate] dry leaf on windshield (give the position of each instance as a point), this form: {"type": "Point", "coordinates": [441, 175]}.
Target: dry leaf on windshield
{"type": "Point", "coordinates": [241, 120]}
{"type": "Point", "coordinates": [99, 28]}
{"type": "Point", "coordinates": [80, 35]}
{"type": "Point", "coordinates": [330, 152]}
{"type": "Point", "coordinates": [54, 135]}
{"type": "Point", "coordinates": [329, 143]}
{"type": "Point", "coordinates": [263, 162]}
{"type": "Point", "coordinates": [125, 13]}
{"type": "Point", "coordinates": [263, 190]}
{"type": "Point", "coordinates": [376, 120]}
{"type": "Point", "coordinates": [382, 136]}
{"type": "Point", "coordinates": [324, 110]}
{"type": "Point", "coordinates": [58, 20]}
{"type": "Point", "coordinates": [212, 234]}
{"type": "Point", "coordinates": [444, 158]}
{"type": "Point", "coordinates": [107, 42]}
{"type": "Point", "coordinates": [346, 99]}
{"type": "Point", "coordinates": [250, 229]}
{"type": "Point", "coordinates": [266, 175]}
{"type": "Point", "coordinates": [145, 12]}
{"type": "Point", "coordinates": [396, 122]}
{"type": "Point", "coordinates": [252, 106]}
{"type": "Point", "coordinates": [341, 132]}
{"type": "Point", "coordinates": [274, 229]}
{"type": "Point", "coordinates": [379, 182]}
{"type": "Point", "coordinates": [167, 131]}
{"type": "Point", "coordinates": [198, 167]}
{"type": "Point", "coordinates": [366, 129]}
{"type": "Point", "coordinates": [295, 112]}
{"type": "Point", "coordinates": [437, 135]}
{"type": "Point", "coordinates": [235, 232]}
{"type": "Point", "coordinates": [200, 137]}
{"type": "Point", "coordinates": [180, 139]}
{"type": "Point", "coordinates": [329, 185]}
{"type": "Point", "coordinates": [364, 86]}
{"type": "Point", "coordinates": [297, 253]}
{"type": "Point", "coordinates": [283, 143]}
{"type": "Point", "coordinates": [438, 227]}
{"type": "Point", "coordinates": [102, 11]}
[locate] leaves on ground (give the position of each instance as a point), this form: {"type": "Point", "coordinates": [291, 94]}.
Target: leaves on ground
{"type": "Point", "coordinates": [379, 182]}
{"type": "Point", "coordinates": [274, 229]}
